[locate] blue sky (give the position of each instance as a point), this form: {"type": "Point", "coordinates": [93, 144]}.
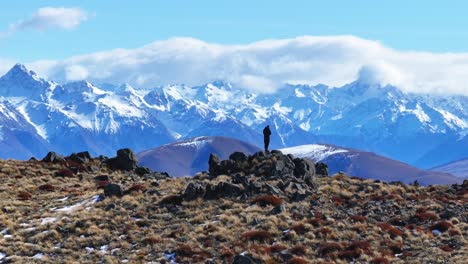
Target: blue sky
{"type": "Point", "coordinates": [438, 26]}
{"type": "Point", "coordinates": [419, 46]}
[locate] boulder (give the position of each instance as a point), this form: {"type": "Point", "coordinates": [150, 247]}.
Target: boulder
{"type": "Point", "coordinates": [142, 171]}
{"type": "Point", "coordinates": [321, 168]}
{"type": "Point", "coordinates": [283, 167]}
{"type": "Point", "coordinates": [80, 157]}
{"type": "Point", "coordinates": [245, 259]}
{"type": "Point", "coordinates": [303, 168]}
{"type": "Point", "coordinates": [112, 190]}
{"type": "Point", "coordinates": [214, 165]}
{"type": "Point", "coordinates": [193, 191]}
{"type": "Point", "coordinates": [102, 178]}
{"type": "Point", "coordinates": [53, 157]}
{"type": "Point", "coordinates": [126, 160]}
{"type": "Point", "coordinates": [277, 210]}
{"type": "Point", "coordinates": [223, 189]}
{"type": "Point", "coordinates": [238, 157]}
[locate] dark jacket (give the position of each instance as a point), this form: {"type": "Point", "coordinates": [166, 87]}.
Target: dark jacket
{"type": "Point", "coordinates": [266, 132]}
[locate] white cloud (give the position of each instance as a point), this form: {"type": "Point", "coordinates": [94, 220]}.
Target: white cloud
{"type": "Point", "coordinates": [265, 65]}
{"type": "Point", "coordinates": [50, 17]}
{"type": "Point", "coordinates": [76, 72]}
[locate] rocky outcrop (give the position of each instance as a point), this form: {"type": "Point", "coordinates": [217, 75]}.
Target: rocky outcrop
{"type": "Point", "coordinates": [321, 168]}
{"type": "Point", "coordinates": [273, 165]}
{"type": "Point", "coordinates": [53, 157]}
{"type": "Point", "coordinates": [273, 173]}
{"type": "Point", "coordinates": [80, 157]}
{"type": "Point", "coordinates": [125, 160]}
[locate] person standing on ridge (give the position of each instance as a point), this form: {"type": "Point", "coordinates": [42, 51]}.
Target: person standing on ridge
{"type": "Point", "coordinates": [266, 137]}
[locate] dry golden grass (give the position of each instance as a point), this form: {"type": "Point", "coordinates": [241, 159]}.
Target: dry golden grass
{"type": "Point", "coordinates": [45, 210]}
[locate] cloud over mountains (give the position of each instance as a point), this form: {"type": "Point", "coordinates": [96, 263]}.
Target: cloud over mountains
{"type": "Point", "coordinates": [265, 65]}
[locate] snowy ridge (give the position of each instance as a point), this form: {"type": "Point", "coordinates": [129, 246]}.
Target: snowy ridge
{"type": "Point", "coordinates": [313, 151]}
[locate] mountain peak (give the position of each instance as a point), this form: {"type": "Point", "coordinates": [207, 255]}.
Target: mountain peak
{"type": "Point", "coordinates": [20, 70]}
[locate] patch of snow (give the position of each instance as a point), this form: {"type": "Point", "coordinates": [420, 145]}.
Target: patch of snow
{"type": "Point", "coordinates": [123, 108]}
{"type": "Point", "coordinates": [38, 256]}
{"type": "Point", "coordinates": [313, 151]}
{"type": "Point", "coordinates": [89, 249]}
{"type": "Point", "coordinates": [452, 120]}
{"type": "Point", "coordinates": [305, 126]}
{"type": "Point", "coordinates": [103, 249]}
{"type": "Point", "coordinates": [4, 231]}
{"type": "Point", "coordinates": [339, 116]}
{"type": "Point", "coordinates": [298, 93]}
{"type": "Point", "coordinates": [71, 208]}
{"type": "Point", "coordinates": [29, 229]}
{"type": "Point", "coordinates": [197, 142]}
{"type": "Point", "coordinates": [2, 255]}
{"type": "Point", "coordinates": [40, 129]}
{"type": "Point", "coordinates": [282, 109]}
{"type": "Point", "coordinates": [418, 112]}
{"type": "Point", "coordinates": [47, 220]}
{"type": "Point", "coordinates": [63, 199]}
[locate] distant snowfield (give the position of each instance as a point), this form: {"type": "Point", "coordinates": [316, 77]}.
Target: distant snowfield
{"type": "Point", "coordinates": [313, 151]}
{"type": "Point", "coordinates": [198, 142]}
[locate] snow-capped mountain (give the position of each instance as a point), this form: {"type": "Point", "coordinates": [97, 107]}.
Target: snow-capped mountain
{"type": "Point", "coordinates": [369, 165]}
{"type": "Point", "coordinates": [414, 128]}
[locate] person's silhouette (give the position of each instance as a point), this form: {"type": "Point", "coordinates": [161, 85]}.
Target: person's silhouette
{"type": "Point", "coordinates": [266, 137]}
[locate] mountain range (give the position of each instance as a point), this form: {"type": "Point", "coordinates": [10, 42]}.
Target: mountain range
{"type": "Point", "coordinates": [37, 115]}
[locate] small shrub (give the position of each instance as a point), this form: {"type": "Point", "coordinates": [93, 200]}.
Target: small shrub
{"type": "Point", "coordinates": [277, 248]}
{"type": "Point", "coordinates": [227, 253]}
{"type": "Point", "coordinates": [297, 260]}
{"type": "Point", "coordinates": [137, 188]}
{"type": "Point", "coordinates": [327, 248]}
{"type": "Point", "coordinates": [23, 196]}
{"type": "Point", "coordinates": [314, 222]}
{"type": "Point", "coordinates": [171, 199]}
{"type": "Point", "coordinates": [395, 247]}
{"type": "Point", "coordinates": [349, 254]}
{"type": "Point", "coordinates": [300, 229]}
{"type": "Point", "coordinates": [324, 231]}
{"type": "Point", "coordinates": [264, 200]}
{"type": "Point", "coordinates": [394, 232]}
{"type": "Point", "coordinates": [299, 250]}
{"type": "Point", "coordinates": [196, 254]}
{"type": "Point", "coordinates": [380, 260]}
{"type": "Point", "coordinates": [337, 200]}
{"type": "Point", "coordinates": [259, 235]}
{"type": "Point", "coordinates": [442, 226]}
{"type": "Point", "coordinates": [377, 197]}
{"type": "Point", "coordinates": [152, 240]}
{"type": "Point", "coordinates": [446, 248]}
{"type": "Point", "coordinates": [358, 218]}
{"type": "Point", "coordinates": [64, 173]}
{"type": "Point", "coordinates": [424, 216]}
{"type": "Point", "coordinates": [359, 244]}
{"type": "Point", "coordinates": [47, 187]}
{"type": "Point", "coordinates": [260, 249]}
{"type": "Point", "coordinates": [454, 232]}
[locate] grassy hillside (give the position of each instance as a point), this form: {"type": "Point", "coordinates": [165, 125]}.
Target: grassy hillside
{"type": "Point", "coordinates": [57, 213]}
